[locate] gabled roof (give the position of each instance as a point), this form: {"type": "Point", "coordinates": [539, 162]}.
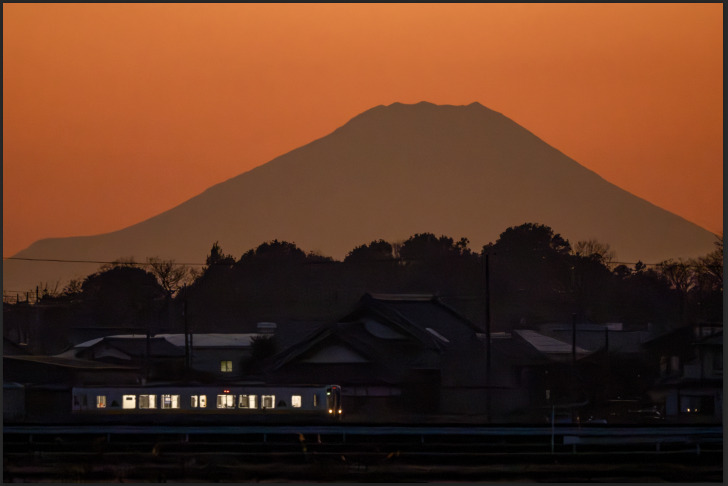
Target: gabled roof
{"type": "Point", "coordinates": [202, 340]}
{"type": "Point", "coordinates": [553, 348]}
{"type": "Point", "coordinates": [386, 329]}
{"type": "Point", "coordinates": [686, 335]}
{"type": "Point", "coordinates": [158, 347]}
{"type": "Point", "coordinates": [70, 362]}
{"type": "Point", "coordinates": [618, 341]}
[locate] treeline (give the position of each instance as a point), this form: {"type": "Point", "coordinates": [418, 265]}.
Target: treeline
{"type": "Point", "coordinates": [533, 275]}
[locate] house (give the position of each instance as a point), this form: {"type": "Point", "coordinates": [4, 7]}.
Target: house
{"type": "Point", "coordinates": [689, 365]}
{"type": "Point", "coordinates": [210, 357]}
{"type": "Point", "coordinates": [399, 357]}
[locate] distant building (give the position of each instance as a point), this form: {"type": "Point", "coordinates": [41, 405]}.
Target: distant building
{"type": "Point", "coordinates": [689, 365]}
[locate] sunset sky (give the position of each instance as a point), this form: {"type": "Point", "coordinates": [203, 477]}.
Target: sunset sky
{"type": "Point", "coordinates": [113, 113]}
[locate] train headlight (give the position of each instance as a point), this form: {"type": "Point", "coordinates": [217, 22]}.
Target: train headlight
{"type": "Point", "coordinates": [331, 411]}
{"type": "Point", "coordinates": [339, 410]}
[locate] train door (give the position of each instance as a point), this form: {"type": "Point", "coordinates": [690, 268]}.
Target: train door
{"type": "Point", "coordinates": [128, 401]}
{"type": "Point", "coordinates": [333, 400]}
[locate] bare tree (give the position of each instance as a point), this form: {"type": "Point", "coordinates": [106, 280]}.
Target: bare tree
{"type": "Point", "coordinates": [679, 274]}
{"type": "Point", "coordinates": [594, 249]}
{"type": "Point", "coordinates": [710, 267]}
{"type": "Point", "coordinates": [73, 287]}
{"type": "Point", "coordinates": [171, 276]}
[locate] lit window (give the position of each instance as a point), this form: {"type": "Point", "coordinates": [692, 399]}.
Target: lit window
{"type": "Point", "coordinates": [170, 401]}
{"type": "Point", "coordinates": [315, 400]}
{"type": "Point", "coordinates": [147, 401]}
{"type": "Point", "coordinates": [129, 401]}
{"type": "Point", "coordinates": [198, 401]}
{"type": "Point", "coordinates": [226, 366]}
{"type": "Point", "coordinates": [248, 401]}
{"type": "Point", "coordinates": [226, 401]}
{"type": "Point", "coordinates": [268, 401]}
{"type": "Point", "coordinates": [296, 401]}
{"type": "Point", "coordinates": [100, 401]}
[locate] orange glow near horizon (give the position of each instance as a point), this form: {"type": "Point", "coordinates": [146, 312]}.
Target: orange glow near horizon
{"type": "Point", "coordinates": [113, 113]}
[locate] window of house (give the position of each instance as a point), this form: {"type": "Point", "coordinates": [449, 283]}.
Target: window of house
{"type": "Point", "coordinates": [170, 401]}
{"type": "Point", "coordinates": [147, 401]}
{"type": "Point", "coordinates": [248, 401]}
{"type": "Point", "coordinates": [100, 401]}
{"type": "Point", "coordinates": [697, 404]}
{"type": "Point", "coordinates": [226, 401]}
{"type": "Point", "coordinates": [268, 401]}
{"type": "Point", "coordinates": [296, 401]}
{"type": "Point", "coordinates": [198, 401]}
{"type": "Point", "coordinates": [226, 366]}
{"type": "Point", "coordinates": [663, 365]}
{"type": "Point", "coordinates": [128, 401]}
{"type": "Point", "coordinates": [674, 364]}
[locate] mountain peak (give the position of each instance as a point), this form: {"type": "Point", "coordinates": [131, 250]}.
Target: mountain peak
{"type": "Point", "coordinates": [413, 112]}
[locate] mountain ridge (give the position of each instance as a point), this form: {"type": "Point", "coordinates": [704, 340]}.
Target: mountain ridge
{"type": "Point", "coordinates": [390, 172]}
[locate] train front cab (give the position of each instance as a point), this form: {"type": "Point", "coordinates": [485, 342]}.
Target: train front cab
{"type": "Point", "coordinates": [333, 401]}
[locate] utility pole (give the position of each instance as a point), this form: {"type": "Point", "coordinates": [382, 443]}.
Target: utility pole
{"type": "Point", "coordinates": [487, 312]}
{"type": "Point", "coordinates": [573, 338]}
{"type": "Point", "coordinates": [187, 338]}
{"type": "Point", "coordinates": [487, 335]}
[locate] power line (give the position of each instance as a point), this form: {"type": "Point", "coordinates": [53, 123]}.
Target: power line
{"type": "Point", "coordinates": [114, 262]}
{"type": "Point", "coordinates": [132, 263]}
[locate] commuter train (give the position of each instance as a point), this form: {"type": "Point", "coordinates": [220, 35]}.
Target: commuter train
{"type": "Point", "coordinates": [231, 401]}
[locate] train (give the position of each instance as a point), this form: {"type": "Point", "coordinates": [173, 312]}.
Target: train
{"type": "Point", "coordinates": [241, 400]}
{"type": "Point", "coordinates": [175, 404]}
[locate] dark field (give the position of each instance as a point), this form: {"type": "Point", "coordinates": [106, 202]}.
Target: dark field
{"type": "Point", "coordinates": [363, 454]}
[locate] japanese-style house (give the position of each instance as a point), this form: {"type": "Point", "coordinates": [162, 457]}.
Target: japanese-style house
{"type": "Point", "coordinates": [689, 365]}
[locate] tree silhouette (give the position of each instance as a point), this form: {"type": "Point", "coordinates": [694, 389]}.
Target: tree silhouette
{"type": "Point", "coordinates": [123, 296]}
{"type": "Point", "coordinates": [377, 250]}
{"type": "Point", "coordinates": [217, 257]}
{"type": "Point", "coordinates": [531, 274]}
{"type": "Point", "coordinates": [171, 276]}
{"type": "Point", "coordinates": [274, 252]}
{"type": "Point", "coordinates": [595, 250]}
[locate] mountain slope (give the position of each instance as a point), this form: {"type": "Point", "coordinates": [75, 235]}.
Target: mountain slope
{"type": "Point", "coordinates": [390, 172]}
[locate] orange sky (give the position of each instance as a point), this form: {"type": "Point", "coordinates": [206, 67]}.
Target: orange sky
{"type": "Point", "coordinates": [113, 113]}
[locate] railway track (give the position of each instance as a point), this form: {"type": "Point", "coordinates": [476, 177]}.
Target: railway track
{"type": "Point", "coordinates": [372, 454]}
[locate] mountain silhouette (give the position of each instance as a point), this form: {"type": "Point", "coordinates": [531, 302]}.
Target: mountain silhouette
{"type": "Point", "coordinates": [389, 173]}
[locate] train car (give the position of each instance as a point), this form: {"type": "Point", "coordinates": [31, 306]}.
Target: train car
{"type": "Point", "coordinates": [238, 402]}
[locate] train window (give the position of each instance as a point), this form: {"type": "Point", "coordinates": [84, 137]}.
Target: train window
{"type": "Point", "coordinates": [170, 401]}
{"type": "Point", "coordinates": [315, 400]}
{"type": "Point", "coordinates": [268, 401]}
{"type": "Point", "coordinates": [226, 401]}
{"type": "Point", "coordinates": [198, 401]}
{"type": "Point", "coordinates": [296, 401]}
{"type": "Point", "coordinates": [129, 401]}
{"type": "Point", "coordinates": [226, 366]}
{"type": "Point", "coordinates": [147, 401]}
{"type": "Point", "coordinates": [100, 401]}
{"type": "Point", "coordinates": [248, 401]}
